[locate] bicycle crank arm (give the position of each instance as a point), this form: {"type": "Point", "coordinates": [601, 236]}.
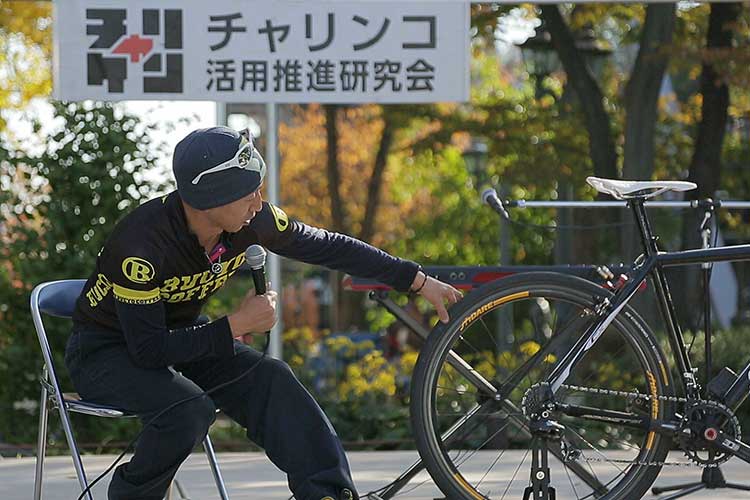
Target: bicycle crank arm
{"type": "Point", "coordinates": [732, 446]}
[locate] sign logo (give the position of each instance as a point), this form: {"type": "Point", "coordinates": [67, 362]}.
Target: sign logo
{"type": "Point", "coordinates": [138, 270]}
{"type": "Point", "coordinates": [115, 51]}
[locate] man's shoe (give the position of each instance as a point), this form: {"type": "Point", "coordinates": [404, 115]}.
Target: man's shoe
{"type": "Point", "coordinates": [346, 494]}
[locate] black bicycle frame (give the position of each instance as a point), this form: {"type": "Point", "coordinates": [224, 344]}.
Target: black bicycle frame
{"type": "Point", "coordinates": [651, 265]}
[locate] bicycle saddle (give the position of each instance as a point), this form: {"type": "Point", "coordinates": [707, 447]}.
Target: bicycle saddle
{"type": "Point", "coordinates": [625, 190]}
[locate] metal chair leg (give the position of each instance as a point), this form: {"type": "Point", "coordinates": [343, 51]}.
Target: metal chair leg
{"type": "Point", "coordinates": [41, 447]}
{"type": "Point", "coordinates": [180, 490]}
{"type": "Point", "coordinates": [214, 464]}
{"type": "Point", "coordinates": [75, 454]}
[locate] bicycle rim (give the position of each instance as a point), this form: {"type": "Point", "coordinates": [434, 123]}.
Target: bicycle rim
{"type": "Point", "coordinates": [494, 333]}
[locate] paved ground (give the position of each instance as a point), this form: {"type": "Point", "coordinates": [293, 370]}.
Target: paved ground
{"type": "Point", "coordinates": [252, 476]}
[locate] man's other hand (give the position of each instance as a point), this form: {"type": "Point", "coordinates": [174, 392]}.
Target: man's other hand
{"type": "Point", "coordinates": [437, 293]}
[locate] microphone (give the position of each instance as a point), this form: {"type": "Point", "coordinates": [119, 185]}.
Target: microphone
{"type": "Point", "coordinates": [489, 196]}
{"type": "Point", "coordinates": [255, 256]}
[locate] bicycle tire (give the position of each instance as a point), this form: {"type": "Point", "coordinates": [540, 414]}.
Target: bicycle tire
{"type": "Point", "coordinates": [572, 292]}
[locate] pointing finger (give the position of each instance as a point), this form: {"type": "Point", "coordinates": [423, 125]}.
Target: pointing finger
{"type": "Point", "coordinates": [442, 312]}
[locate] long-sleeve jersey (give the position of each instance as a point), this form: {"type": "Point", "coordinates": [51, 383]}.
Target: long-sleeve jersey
{"type": "Point", "coordinates": [152, 277]}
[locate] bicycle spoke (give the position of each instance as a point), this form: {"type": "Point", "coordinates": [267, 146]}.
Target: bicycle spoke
{"type": "Point", "coordinates": [570, 480]}
{"type": "Point", "coordinates": [482, 445]}
{"type": "Point", "coordinates": [597, 451]}
{"type": "Point", "coordinates": [513, 477]}
{"type": "Point", "coordinates": [590, 479]}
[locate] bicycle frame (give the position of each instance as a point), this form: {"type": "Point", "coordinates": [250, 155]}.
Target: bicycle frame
{"type": "Point", "coordinates": [651, 265]}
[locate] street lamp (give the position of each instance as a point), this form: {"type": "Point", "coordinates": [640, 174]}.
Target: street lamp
{"type": "Point", "coordinates": [541, 59]}
{"type": "Point", "coordinates": [475, 158]}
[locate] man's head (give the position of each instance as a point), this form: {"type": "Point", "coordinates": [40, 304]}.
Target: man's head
{"type": "Point", "coordinates": [216, 166]}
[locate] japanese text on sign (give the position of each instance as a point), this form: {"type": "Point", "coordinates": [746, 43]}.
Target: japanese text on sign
{"type": "Point", "coordinates": [324, 51]}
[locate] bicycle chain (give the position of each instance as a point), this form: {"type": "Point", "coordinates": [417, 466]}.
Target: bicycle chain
{"type": "Point", "coordinates": [647, 397]}
{"type": "Point", "coordinates": [611, 392]}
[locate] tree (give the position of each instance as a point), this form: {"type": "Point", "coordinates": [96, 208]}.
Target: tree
{"type": "Point", "coordinates": [353, 143]}
{"type": "Point", "coordinates": [641, 93]}
{"type": "Point", "coordinates": [25, 53]}
{"type": "Point", "coordinates": [706, 164]}
{"type": "Point", "coordinates": [705, 167]}
{"type": "Point", "coordinates": [57, 209]}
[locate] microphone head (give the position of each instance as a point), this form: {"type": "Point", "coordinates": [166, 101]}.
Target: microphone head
{"type": "Point", "coordinates": [487, 194]}
{"type": "Point", "coordinates": [255, 256]}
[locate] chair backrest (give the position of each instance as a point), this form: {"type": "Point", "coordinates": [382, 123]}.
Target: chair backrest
{"type": "Point", "coordinates": [55, 298]}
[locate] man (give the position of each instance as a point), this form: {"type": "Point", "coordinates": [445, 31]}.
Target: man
{"type": "Point", "coordinates": [136, 342]}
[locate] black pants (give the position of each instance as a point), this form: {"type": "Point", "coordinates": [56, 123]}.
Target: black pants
{"type": "Point", "coordinates": [270, 403]}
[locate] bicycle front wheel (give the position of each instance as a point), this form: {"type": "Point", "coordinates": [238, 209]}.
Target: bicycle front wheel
{"type": "Point", "coordinates": [476, 373]}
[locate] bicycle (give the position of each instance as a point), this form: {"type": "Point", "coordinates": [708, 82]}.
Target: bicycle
{"type": "Point", "coordinates": [541, 364]}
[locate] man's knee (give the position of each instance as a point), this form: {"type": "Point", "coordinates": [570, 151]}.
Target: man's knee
{"type": "Point", "coordinates": [194, 417]}
{"type": "Point", "coordinates": [279, 371]}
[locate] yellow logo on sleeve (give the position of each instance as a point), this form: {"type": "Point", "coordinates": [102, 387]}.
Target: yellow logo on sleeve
{"type": "Point", "coordinates": [138, 270]}
{"type": "Point", "coordinates": [281, 219]}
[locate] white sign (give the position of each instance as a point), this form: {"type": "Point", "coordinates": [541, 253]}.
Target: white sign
{"type": "Point", "coordinates": [262, 51]}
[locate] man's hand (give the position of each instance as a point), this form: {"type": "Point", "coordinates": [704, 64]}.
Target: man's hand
{"type": "Point", "coordinates": [256, 314]}
{"type": "Point", "coordinates": [437, 293]}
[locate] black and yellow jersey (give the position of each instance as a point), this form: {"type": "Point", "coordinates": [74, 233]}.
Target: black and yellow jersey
{"type": "Point", "coordinates": [153, 276]}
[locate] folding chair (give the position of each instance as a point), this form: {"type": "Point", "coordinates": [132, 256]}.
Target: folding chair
{"type": "Point", "coordinates": [58, 298]}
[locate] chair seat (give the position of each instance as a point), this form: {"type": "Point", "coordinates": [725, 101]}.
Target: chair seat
{"type": "Point", "coordinates": [624, 190]}
{"type": "Point", "coordinates": [74, 403]}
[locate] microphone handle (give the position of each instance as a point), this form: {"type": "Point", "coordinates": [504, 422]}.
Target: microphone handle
{"type": "Point", "coordinates": [259, 280]}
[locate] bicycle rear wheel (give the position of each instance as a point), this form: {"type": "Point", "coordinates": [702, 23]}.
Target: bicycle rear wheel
{"type": "Point", "coordinates": [473, 373]}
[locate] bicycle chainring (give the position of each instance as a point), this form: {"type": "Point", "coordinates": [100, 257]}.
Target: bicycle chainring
{"type": "Point", "coordinates": [699, 427]}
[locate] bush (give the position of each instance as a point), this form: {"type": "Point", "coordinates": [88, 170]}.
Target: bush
{"type": "Point", "coordinates": [57, 208]}
{"type": "Point", "coordinates": [365, 395]}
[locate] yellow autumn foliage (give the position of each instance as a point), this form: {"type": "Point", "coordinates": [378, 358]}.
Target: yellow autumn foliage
{"type": "Point", "coordinates": [306, 195]}
{"type": "Point", "coordinates": [25, 53]}
{"type": "Point", "coordinates": [371, 376]}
